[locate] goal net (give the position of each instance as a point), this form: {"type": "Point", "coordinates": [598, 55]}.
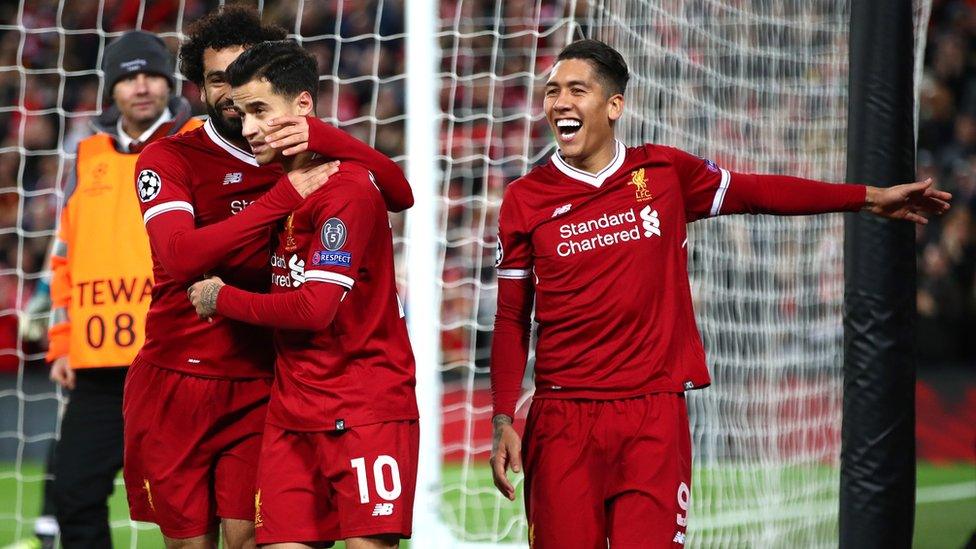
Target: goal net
{"type": "Point", "coordinates": [755, 85]}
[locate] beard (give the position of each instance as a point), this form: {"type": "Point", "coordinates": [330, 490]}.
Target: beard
{"type": "Point", "coordinates": [230, 128]}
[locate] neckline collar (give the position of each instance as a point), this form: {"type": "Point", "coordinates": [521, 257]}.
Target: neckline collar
{"type": "Point", "coordinates": [231, 148]}
{"type": "Point", "coordinates": [126, 141]}
{"type": "Point", "coordinates": [594, 179]}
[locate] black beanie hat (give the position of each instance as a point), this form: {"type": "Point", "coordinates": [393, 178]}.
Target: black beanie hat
{"type": "Point", "coordinates": [136, 51]}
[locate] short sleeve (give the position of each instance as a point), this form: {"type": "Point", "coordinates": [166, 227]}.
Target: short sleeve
{"type": "Point", "coordinates": [513, 258]}
{"type": "Point", "coordinates": [345, 218]}
{"type": "Point", "coordinates": [162, 182]}
{"type": "Point", "coordinates": [703, 184]}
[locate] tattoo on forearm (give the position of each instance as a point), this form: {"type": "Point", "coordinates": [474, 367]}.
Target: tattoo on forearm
{"type": "Point", "coordinates": [501, 419]}
{"type": "Point", "coordinates": [208, 297]}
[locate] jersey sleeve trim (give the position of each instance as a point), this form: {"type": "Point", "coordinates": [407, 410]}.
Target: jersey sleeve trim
{"type": "Point", "coordinates": [513, 273]}
{"type": "Point", "coordinates": [329, 276]}
{"type": "Point", "coordinates": [167, 207]}
{"type": "Point", "coordinates": [723, 187]}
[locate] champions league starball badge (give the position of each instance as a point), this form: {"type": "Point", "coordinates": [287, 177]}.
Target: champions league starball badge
{"type": "Point", "coordinates": [149, 184]}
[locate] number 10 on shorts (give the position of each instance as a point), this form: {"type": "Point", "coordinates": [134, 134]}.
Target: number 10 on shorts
{"type": "Point", "coordinates": [379, 482]}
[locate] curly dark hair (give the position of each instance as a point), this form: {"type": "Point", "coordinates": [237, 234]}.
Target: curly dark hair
{"type": "Point", "coordinates": [229, 25]}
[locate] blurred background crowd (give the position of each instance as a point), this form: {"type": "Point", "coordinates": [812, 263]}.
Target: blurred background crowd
{"type": "Point", "coordinates": [492, 132]}
{"type": "Point", "coordinates": [49, 90]}
{"type": "Point", "coordinates": [50, 100]}
{"type": "Point", "coordinates": [947, 152]}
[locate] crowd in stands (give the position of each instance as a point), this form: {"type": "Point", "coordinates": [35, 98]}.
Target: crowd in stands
{"type": "Point", "coordinates": [49, 89]}
{"type": "Point", "coordinates": [947, 153]}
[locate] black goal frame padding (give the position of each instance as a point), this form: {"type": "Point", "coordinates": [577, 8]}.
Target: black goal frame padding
{"type": "Point", "coordinates": [877, 475]}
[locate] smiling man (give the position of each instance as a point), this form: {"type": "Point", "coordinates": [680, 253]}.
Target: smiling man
{"type": "Point", "coordinates": [596, 240]}
{"type": "Point", "coordinates": [339, 454]}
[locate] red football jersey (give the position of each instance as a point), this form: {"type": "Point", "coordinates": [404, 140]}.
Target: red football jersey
{"type": "Point", "coordinates": [201, 174]}
{"type": "Point", "coordinates": [360, 369]}
{"type": "Point", "coordinates": [607, 254]}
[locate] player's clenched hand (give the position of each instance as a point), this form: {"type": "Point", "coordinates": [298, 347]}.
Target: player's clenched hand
{"type": "Point", "coordinates": [291, 135]}
{"type": "Point", "coordinates": [911, 201]}
{"type": "Point", "coordinates": [506, 451]}
{"type": "Point", "coordinates": [62, 374]}
{"type": "Point", "coordinates": [308, 179]}
{"type": "Point", "coordinates": [203, 296]}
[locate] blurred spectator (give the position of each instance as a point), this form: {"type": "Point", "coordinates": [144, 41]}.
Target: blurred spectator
{"type": "Point", "coordinates": [46, 112]}
{"type": "Point", "coordinates": [492, 76]}
{"type": "Point", "coordinates": [947, 152]}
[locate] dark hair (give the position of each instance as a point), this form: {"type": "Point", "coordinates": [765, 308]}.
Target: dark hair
{"type": "Point", "coordinates": [283, 63]}
{"type": "Point", "coordinates": [227, 26]}
{"type": "Point", "coordinates": [610, 66]}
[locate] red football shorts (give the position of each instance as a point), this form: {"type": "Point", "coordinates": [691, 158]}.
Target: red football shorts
{"type": "Point", "coordinates": [617, 470]}
{"type": "Point", "coordinates": [328, 486]}
{"type": "Point", "coordinates": [191, 448]}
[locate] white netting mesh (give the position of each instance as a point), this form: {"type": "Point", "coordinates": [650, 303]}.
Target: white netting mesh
{"type": "Point", "coordinates": [756, 85]}
{"type": "Point", "coordinates": [50, 89]}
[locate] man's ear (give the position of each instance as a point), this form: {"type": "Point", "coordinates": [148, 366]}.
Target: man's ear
{"type": "Point", "coordinates": [615, 107]}
{"type": "Point", "coordinates": [304, 104]}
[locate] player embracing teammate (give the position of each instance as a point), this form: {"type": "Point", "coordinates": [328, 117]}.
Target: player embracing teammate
{"type": "Point", "coordinates": [596, 240]}
{"type": "Point", "coordinates": [196, 396]}
{"type": "Point", "coordinates": [339, 453]}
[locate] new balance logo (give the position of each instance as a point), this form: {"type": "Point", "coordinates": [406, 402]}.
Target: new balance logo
{"type": "Point", "coordinates": [234, 177]}
{"type": "Point", "coordinates": [383, 510]}
{"type": "Point", "coordinates": [652, 224]}
{"type": "Point", "coordinates": [679, 538]}
{"type": "Point", "coordinates": [561, 210]}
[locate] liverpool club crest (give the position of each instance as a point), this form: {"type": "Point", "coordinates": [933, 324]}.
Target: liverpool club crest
{"type": "Point", "coordinates": [290, 245]}
{"type": "Point", "coordinates": [639, 181]}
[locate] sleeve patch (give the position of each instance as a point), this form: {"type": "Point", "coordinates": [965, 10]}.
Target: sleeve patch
{"type": "Point", "coordinates": [148, 184]}
{"type": "Point", "coordinates": [323, 258]}
{"type": "Point", "coordinates": [499, 253]}
{"type": "Point", "coordinates": [333, 234]}
{"type": "Point", "coordinates": [712, 167]}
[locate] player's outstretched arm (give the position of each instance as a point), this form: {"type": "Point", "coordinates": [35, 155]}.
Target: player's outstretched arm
{"type": "Point", "coordinates": [186, 251]}
{"type": "Point", "coordinates": [784, 195]}
{"type": "Point", "coordinates": [710, 190]}
{"type": "Point", "coordinates": [298, 134]}
{"type": "Point", "coordinates": [312, 307]}
{"type": "Point", "coordinates": [911, 201]}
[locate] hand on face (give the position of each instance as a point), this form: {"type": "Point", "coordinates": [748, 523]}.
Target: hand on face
{"type": "Point", "coordinates": [268, 113]}
{"type": "Point", "coordinates": [288, 134]}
